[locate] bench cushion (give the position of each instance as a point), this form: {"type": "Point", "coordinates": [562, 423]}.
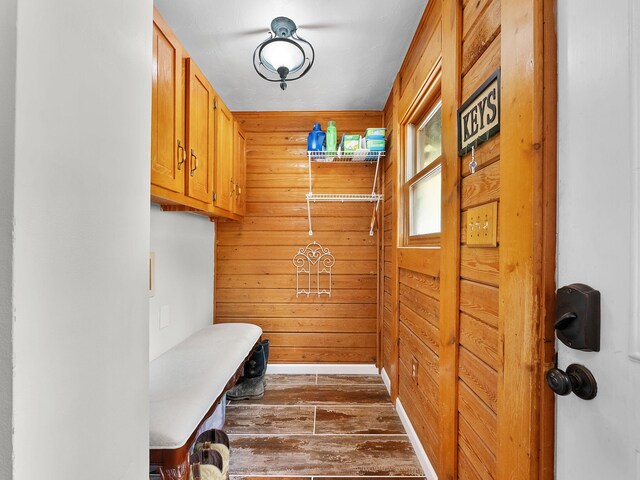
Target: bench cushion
{"type": "Point", "coordinates": [186, 380]}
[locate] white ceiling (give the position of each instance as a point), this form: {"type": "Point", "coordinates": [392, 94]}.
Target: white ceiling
{"type": "Point", "coordinates": [360, 45]}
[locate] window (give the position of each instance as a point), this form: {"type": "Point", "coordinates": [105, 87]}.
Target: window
{"type": "Point", "coordinates": [424, 178]}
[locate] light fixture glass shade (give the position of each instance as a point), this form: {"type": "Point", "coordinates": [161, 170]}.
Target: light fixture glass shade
{"type": "Point", "coordinates": [284, 56]}
{"type": "Point", "coordinates": [282, 53]}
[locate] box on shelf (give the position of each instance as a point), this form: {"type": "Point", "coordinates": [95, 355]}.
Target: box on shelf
{"type": "Point", "coordinates": [375, 132]}
{"type": "Point", "coordinates": [350, 143]}
{"type": "Point", "coordinates": [375, 143]}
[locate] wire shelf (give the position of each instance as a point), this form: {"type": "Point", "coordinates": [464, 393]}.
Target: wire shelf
{"type": "Point", "coordinates": [344, 197]}
{"type": "Point", "coordinates": [359, 156]}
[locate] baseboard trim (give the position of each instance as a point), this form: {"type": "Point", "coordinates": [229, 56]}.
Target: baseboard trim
{"type": "Point", "coordinates": [386, 380]}
{"type": "Point", "coordinates": [429, 471]}
{"type": "Point", "coordinates": [323, 368]}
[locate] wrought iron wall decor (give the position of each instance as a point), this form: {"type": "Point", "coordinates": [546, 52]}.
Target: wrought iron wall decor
{"type": "Point", "coordinates": [313, 270]}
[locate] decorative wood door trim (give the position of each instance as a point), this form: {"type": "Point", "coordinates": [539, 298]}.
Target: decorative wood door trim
{"type": "Point", "coordinates": [450, 240]}
{"type": "Point", "coordinates": [527, 238]}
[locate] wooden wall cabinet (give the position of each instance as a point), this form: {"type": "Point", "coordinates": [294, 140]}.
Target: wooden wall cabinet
{"type": "Point", "coordinates": [167, 121]}
{"type": "Point", "coordinates": [224, 197]}
{"type": "Point", "coordinates": [240, 168]}
{"type": "Point", "coordinates": [200, 134]}
{"type": "Point", "coordinates": [193, 142]}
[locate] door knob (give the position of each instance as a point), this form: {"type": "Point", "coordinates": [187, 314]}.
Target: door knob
{"type": "Point", "coordinates": [577, 379]}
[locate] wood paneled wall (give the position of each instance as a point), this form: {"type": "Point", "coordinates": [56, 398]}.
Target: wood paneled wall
{"type": "Point", "coordinates": [453, 312]}
{"type": "Point", "coordinates": [255, 277]}
{"type": "Point", "coordinates": [389, 334]}
{"type": "Point", "coordinates": [478, 360]}
{"type": "Point", "coordinates": [412, 292]}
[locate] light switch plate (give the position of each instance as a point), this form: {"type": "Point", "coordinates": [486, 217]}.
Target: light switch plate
{"type": "Point", "coordinates": [414, 369]}
{"type": "Point", "coordinates": [482, 225]}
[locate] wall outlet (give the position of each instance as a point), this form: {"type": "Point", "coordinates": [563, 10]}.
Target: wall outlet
{"type": "Point", "coordinates": [414, 369]}
{"type": "Point", "coordinates": [165, 316]}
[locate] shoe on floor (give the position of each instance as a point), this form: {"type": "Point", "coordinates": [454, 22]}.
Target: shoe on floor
{"type": "Point", "coordinates": [206, 472]}
{"type": "Point", "coordinates": [210, 461]}
{"type": "Point", "coordinates": [265, 346]}
{"type": "Point", "coordinates": [250, 389]}
{"type": "Point", "coordinates": [214, 435]}
{"type": "Point", "coordinates": [208, 457]}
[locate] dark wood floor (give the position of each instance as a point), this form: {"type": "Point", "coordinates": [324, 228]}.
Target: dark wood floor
{"type": "Point", "coordinates": [330, 426]}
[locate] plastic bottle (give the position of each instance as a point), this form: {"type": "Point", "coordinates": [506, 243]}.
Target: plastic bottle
{"type": "Point", "coordinates": [315, 140]}
{"type": "Point", "coordinates": [332, 137]}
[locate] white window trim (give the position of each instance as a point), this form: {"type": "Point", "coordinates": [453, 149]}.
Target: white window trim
{"type": "Point", "coordinates": [410, 152]}
{"type": "Point", "coordinates": [433, 111]}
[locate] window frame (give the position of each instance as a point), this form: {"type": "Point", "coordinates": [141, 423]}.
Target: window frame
{"type": "Point", "coordinates": [425, 108]}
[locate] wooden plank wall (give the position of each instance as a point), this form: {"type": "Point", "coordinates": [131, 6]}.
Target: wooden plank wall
{"type": "Point", "coordinates": [444, 311]}
{"type": "Point", "coordinates": [255, 278]}
{"type": "Point", "coordinates": [411, 275]}
{"type": "Point", "coordinates": [478, 360]}
{"type": "Point", "coordinates": [387, 271]}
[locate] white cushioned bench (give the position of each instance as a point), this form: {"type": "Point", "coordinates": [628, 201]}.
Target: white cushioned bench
{"type": "Point", "coordinates": [187, 381]}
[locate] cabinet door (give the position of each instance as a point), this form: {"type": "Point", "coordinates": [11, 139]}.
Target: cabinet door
{"type": "Point", "coordinates": [167, 121]}
{"type": "Point", "coordinates": [240, 168]}
{"type": "Point", "coordinates": [224, 157]}
{"type": "Point", "coordinates": [200, 128]}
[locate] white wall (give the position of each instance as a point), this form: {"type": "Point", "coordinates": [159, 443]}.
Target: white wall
{"type": "Point", "coordinates": [82, 239]}
{"type": "Point", "coordinates": [7, 134]}
{"type": "Point", "coordinates": [183, 244]}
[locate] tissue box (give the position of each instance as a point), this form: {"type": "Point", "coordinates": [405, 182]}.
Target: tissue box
{"type": "Point", "coordinates": [350, 143]}
{"type": "Point", "coordinates": [376, 143]}
{"type": "Point", "coordinates": [370, 132]}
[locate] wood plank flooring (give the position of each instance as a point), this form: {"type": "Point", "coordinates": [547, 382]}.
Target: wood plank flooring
{"type": "Point", "coordinates": [329, 426]}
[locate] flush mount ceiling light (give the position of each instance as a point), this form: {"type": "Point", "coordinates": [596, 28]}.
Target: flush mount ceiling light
{"type": "Point", "coordinates": [284, 56]}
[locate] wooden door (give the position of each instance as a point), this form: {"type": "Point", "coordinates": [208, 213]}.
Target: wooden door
{"type": "Point", "coordinates": [240, 162]}
{"type": "Point", "coordinates": [200, 131]}
{"type": "Point", "coordinates": [599, 231]}
{"type": "Point", "coordinates": [167, 120]}
{"type": "Point", "coordinates": [224, 157]}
